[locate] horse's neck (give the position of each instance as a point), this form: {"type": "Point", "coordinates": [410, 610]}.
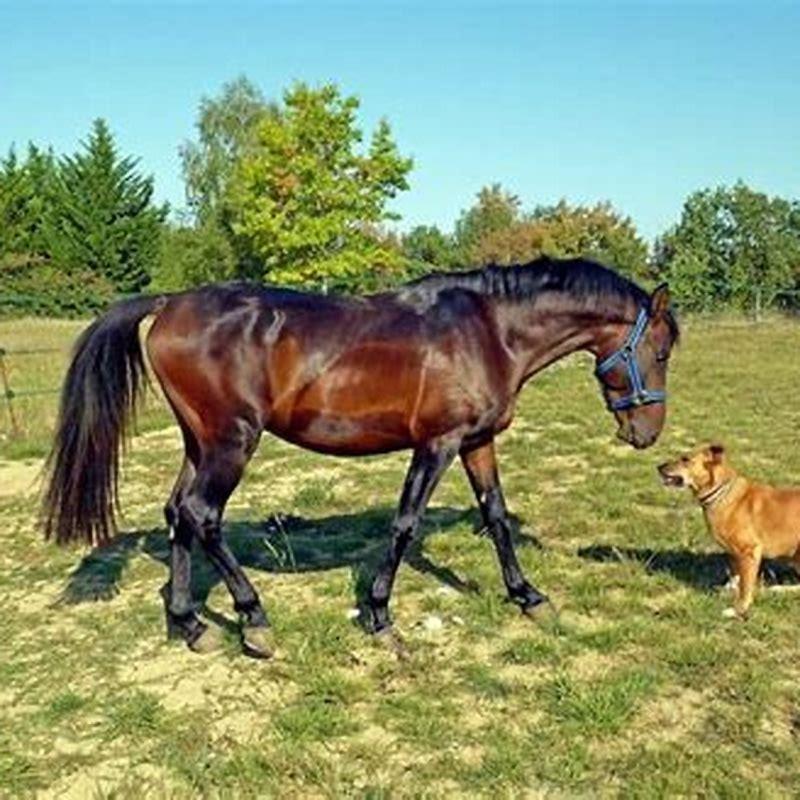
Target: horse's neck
{"type": "Point", "coordinates": [539, 334]}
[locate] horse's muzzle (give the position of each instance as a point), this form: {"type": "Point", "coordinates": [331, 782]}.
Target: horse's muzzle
{"type": "Point", "coordinates": [637, 439]}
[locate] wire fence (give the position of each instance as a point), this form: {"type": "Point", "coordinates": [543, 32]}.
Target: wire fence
{"type": "Point", "coordinates": [9, 393]}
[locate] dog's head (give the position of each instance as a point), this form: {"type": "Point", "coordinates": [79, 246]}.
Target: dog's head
{"type": "Point", "coordinates": [699, 470]}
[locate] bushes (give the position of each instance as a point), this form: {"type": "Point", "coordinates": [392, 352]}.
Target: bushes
{"type": "Point", "coordinates": [36, 287]}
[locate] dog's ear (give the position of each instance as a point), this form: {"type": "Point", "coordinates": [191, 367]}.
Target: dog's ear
{"type": "Point", "coordinates": [717, 452]}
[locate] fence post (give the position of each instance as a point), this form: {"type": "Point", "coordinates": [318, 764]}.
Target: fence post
{"type": "Point", "coordinates": [9, 394]}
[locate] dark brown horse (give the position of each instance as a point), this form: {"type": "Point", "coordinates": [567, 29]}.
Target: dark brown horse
{"type": "Point", "coordinates": [434, 367]}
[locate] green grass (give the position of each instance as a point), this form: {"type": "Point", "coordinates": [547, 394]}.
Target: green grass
{"type": "Point", "coordinates": [26, 427]}
{"type": "Point", "coordinates": [639, 689]}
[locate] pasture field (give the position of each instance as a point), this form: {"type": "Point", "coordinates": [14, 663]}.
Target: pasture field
{"type": "Point", "coordinates": [641, 689]}
{"type": "Point", "coordinates": [37, 353]}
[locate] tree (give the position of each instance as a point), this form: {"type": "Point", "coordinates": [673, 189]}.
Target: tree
{"type": "Point", "coordinates": [565, 231]}
{"type": "Point", "coordinates": [226, 129]}
{"type": "Point", "coordinates": [426, 244]}
{"type": "Point", "coordinates": [191, 256]}
{"type": "Point", "coordinates": [733, 247]}
{"type": "Point", "coordinates": [104, 220]}
{"type": "Point", "coordinates": [26, 195]}
{"type": "Point", "coordinates": [305, 200]}
{"type": "Point", "coordinates": [495, 210]}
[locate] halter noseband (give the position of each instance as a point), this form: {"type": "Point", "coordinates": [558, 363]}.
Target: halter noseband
{"type": "Point", "coordinates": [639, 394]}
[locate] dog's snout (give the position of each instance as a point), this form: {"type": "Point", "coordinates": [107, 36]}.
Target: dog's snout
{"type": "Point", "coordinates": [662, 468]}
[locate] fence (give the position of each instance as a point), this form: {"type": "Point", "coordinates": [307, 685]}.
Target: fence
{"type": "Point", "coordinates": [9, 393]}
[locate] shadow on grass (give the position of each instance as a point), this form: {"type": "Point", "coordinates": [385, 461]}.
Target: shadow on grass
{"type": "Point", "coordinates": [705, 571]}
{"type": "Point", "coordinates": [282, 544]}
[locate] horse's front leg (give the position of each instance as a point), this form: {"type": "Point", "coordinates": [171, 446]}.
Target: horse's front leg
{"type": "Point", "coordinates": [481, 467]}
{"type": "Point", "coordinates": [427, 466]}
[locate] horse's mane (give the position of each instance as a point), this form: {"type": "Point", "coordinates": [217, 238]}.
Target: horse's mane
{"type": "Point", "coordinates": [582, 279]}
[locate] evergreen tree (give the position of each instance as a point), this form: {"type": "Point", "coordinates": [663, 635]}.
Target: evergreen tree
{"type": "Point", "coordinates": [26, 196]}
{"type": "Point", "coordinates": [104, 219]}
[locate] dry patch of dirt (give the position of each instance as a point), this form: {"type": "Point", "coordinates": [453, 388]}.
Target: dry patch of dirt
{"type": "Point", "coordinates": [21, 478]}
{"type": "Point", "coordinates": [674, 716]}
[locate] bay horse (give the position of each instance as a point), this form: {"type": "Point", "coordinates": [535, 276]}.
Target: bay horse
{"type": "Point", "coordinates": [435, 367]}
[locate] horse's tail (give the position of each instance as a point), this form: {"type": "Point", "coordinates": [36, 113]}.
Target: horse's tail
{"type": "Point", "coordinates": [98, 399]}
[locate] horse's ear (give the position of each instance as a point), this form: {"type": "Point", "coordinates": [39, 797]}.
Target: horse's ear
{"type": "Point", "coordinates": [659, 301]}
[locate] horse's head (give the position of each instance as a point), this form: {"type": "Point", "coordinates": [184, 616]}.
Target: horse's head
{"type": "Point", "coordinates": [633, 373]}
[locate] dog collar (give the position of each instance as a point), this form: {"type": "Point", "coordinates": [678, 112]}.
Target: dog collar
{"type": "Point", "coordinates": [719, 492]}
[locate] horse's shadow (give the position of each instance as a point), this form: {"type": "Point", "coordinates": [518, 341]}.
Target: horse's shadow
{"type": "Point", "coordinates": [281, 544]}
{"type": "Point", "coordinates": [703, 571]}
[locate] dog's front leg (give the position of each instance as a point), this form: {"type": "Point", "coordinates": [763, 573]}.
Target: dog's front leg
{"type": "Point", "coordinates": [746, 567]}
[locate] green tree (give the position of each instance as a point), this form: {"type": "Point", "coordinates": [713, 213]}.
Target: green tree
{"type": "Point", "coordinates": [733, 247]}
{"type": "Point", "coordinates": [191, 256]}
{"type": "Point", "coordinates": [226, 129]}
{"type": "Point", "coordinates": [566, 231]}
{"type": "Point", "coordinates": [305, 200]}
{"type": "Point", "coordinates": [26, 196]}
{"type": "Point", "coordinates": [494, 210]}
{"type": "Point", "coordinates": [426, 244]}
{"type": "Point", "coordinates": [104, 220]}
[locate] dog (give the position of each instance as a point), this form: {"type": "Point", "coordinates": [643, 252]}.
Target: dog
{"type": "Point", "coordinates": [750, 520]}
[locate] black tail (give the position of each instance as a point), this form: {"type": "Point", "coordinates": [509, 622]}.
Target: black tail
{"type": "Point", "coordinates": [98, 399]}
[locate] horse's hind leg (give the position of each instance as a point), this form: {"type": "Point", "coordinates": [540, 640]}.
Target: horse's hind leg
{"type": "Point", "coordinates": [202, 507]}
{"type": "Point", "coordinates": [481, 468]}
{"type": "Point", "coordinates": [181, 618]}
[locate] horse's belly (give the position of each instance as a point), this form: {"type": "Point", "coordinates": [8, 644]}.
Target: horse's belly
{"type": "Point", "coordinates": [351, 411]}
{"type": "Point", "coordinates": [346, 435]}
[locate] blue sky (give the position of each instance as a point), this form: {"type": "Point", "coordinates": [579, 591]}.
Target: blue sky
{"type": "Point", "coordinates": [637, 103]}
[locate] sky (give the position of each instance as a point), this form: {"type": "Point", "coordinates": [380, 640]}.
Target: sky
{"type": "Point", "coordinates": [638, 103]}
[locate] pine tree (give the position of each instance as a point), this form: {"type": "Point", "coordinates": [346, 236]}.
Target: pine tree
{"type": "Point", "coordinates": [26, 188]}
{"type": "Point", "coordinates": [104, 218]}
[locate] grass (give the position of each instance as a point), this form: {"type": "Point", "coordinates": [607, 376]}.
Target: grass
{"type": "Point", "coordinates": [36, 357]}
{"type": "Point", "coordinates": [641, 689]}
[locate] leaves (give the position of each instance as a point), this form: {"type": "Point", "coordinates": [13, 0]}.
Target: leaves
{"type": "Point", "coordinates": [226, 128]}
{"type": "Point", "coordinates": [303, 202]}
{"type": "Point", "coordinates": [103, 219]}
{"type": "Point", "coordinates": [733, 247]}
{"type": "Point", "coordinates": [496, 231]}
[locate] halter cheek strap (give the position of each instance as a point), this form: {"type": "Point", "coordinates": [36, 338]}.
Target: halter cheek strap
{"type": "Point", "coordinates": [639, 394]}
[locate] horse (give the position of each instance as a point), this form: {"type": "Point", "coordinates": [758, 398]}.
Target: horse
{"type": "Point", "coordinates": [434, 366]}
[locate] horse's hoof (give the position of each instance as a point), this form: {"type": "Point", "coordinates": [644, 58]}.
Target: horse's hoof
{"type": "Point", "coordinates": [535, 608]}
{"type": "Point", "coordinates": [542, 612]}
{"type": "Point", "coordinates": [393, 642]}
{"type": "Point", "coordinates": [257, 642]}
{"type": "Point", "coordinates": [209, 641]}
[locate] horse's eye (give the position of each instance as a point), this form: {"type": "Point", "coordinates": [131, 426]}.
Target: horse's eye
{"type": "Point", "coordinates": [662, 357]}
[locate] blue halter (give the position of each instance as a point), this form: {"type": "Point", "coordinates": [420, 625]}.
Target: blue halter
{"type": "Point", "coordinates": [639, 395]}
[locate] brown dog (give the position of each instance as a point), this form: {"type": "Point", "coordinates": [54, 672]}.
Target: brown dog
{"type": "Point", "coordinates": [751, 521]}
